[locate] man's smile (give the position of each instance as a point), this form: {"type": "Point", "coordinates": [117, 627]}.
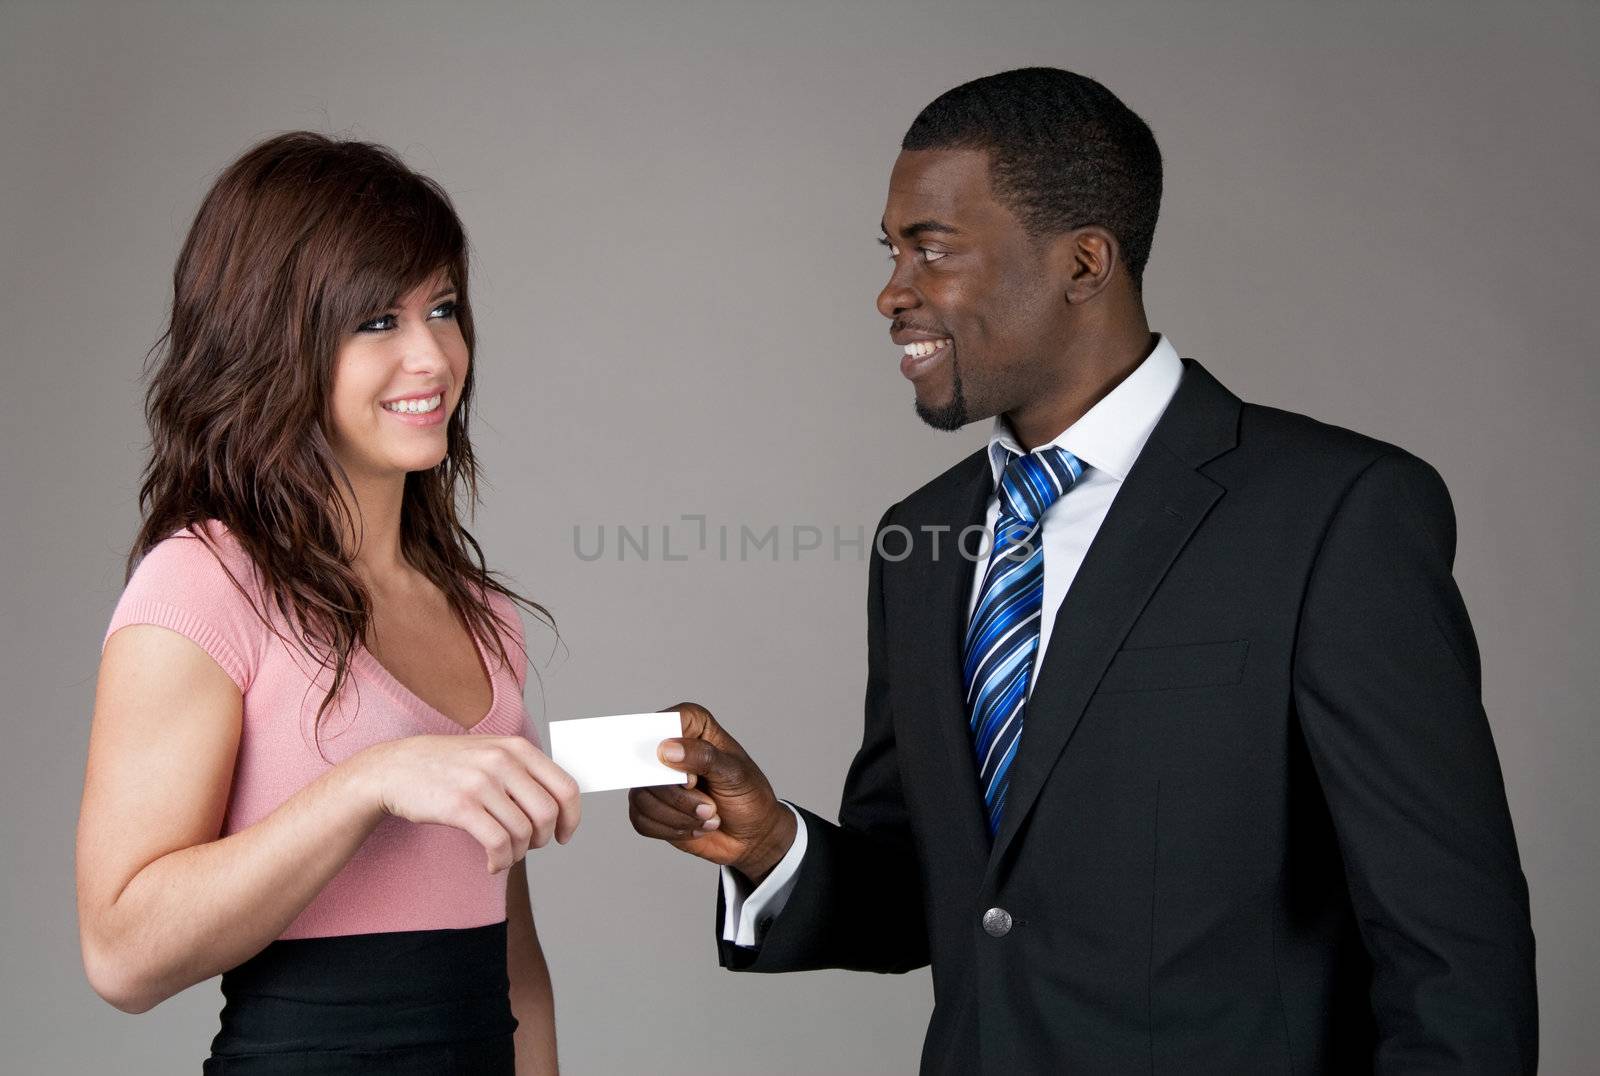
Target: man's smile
{"type": "Point", "coordinates": [920, 356]}
{"type": "Point", "coordinates": [921, 351]}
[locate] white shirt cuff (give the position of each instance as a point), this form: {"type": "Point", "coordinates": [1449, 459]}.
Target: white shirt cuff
{"type": "Point", "coordinates": [748, 914]}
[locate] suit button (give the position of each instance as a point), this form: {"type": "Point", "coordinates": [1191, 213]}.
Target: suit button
{"type": "Point", "coordinates": [997, 922]}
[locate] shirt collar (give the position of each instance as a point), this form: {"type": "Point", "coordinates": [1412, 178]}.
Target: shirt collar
{"type": "Point", "coordinates": [1110, 434]}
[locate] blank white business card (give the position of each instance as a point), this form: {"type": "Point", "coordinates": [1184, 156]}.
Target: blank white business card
{"type": "Point", "coordinates": [616, 752]}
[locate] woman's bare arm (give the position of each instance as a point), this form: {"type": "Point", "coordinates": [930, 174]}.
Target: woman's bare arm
{"type": "Point", "coordinates": [162, 902]}
{"type": "Point", "coordinates": [532, 999]}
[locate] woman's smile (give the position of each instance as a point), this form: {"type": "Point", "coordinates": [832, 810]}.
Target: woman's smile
{"type": "Point", "coordinates": [425, 411]}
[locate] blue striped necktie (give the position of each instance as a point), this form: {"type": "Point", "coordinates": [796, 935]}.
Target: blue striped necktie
{"type": "Point", "coordinates": [1003, 635]}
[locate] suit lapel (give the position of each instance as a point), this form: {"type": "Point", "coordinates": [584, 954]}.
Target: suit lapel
{"type": "Point", "coordinates": [948, 584]}
{"type": "Point", "coordinates": [1161, 502]}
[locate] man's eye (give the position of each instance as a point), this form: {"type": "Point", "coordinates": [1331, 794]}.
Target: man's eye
{"type": "Point", "coordinates": [927, 255]}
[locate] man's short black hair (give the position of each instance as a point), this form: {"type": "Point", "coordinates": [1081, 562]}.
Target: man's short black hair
{"type": "Point", "coordinates": [1064, 152]}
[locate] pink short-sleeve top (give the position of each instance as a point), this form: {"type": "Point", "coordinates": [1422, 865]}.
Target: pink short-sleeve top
{"type": "Point", "coordinates": [405, 876]}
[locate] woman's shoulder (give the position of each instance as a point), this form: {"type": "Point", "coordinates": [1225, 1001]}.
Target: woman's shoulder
{"type": "Point", "coordinates": [502, 605]}
{"type": "Point", "coordinates": [200, 582]}
{"type": "Point", "coordinates": [511, 632]}
{"type": "Point", "coordinates": [203, 562]}
{"type": "Point", "coordinates": [195, 544]}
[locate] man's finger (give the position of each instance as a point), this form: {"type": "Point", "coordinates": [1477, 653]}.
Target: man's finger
{"type": "Point", "coordinates": [724, 772]}
{"type": "Point", "coordinates": [649, 807]}
{"type": "Point", "coordinates": [674, 827]}
{"type": "Point", "coordinates": [694, 806]}
{"type": "Point", "coordinates": [646, 826]}
{"type": "Point", "coordinates": [698, 724]}
{"type": "Point", "coordinates": [686, 801]}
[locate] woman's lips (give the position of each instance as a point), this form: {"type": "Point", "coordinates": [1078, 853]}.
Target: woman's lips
{"type": "Point", "coordinates": [432, 418]}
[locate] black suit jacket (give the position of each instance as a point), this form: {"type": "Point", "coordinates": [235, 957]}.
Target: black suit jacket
{"type": "Point", "coordinates": [1256, 822]}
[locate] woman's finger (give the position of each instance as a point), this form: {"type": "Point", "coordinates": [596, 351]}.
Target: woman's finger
{"type": "Point", "coordinates": [517, 822]}
{"type": "Point", "coordinates": [486, 829]}
{"type": "Point", "coordinates": [536, 804]}
{"type": "Point", "coordinates": [557, 782]}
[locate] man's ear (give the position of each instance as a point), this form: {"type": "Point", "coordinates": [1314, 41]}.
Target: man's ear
{"type": "Point", "coordinates": [1083, 261]}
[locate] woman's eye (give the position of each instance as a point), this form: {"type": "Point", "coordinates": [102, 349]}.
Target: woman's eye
{"type": "Point", "coordinates": [385, 322]}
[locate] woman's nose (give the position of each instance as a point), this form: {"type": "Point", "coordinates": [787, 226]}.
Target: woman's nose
{"type": "Point", "coordinates": [423, 351]}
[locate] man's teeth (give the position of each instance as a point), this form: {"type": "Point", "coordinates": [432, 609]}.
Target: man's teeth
{"type": "Point", "coordinates": [415, 407]}
{"type": "Point", "coordinates": [922, 348]}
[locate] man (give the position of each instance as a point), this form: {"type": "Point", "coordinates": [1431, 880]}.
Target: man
{"type": "Point", "coordinates": [1190, 772]}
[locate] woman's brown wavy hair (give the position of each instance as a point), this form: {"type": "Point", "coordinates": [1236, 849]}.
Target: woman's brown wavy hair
{"type": "Point", "coordinates": [298, 242]}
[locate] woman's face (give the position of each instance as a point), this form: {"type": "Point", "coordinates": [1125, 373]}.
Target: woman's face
{"type": "Point", "coordinates": [396, 380]}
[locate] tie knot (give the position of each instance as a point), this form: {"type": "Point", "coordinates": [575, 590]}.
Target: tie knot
{"type": "Point", "coordinates": [1031, 483]}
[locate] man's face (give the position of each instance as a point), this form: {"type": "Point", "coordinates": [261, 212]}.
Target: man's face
{"type": "Point", "coordinates": [970, 295]}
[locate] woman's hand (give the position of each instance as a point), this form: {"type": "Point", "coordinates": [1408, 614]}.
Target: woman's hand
{"type": "Point", "coordinates": [502, 790]}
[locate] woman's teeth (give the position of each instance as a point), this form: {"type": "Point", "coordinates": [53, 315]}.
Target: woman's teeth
{"type": "Point", "coordinates": [921, 349]}
{"type": "Point", "coordinates": [415, 407]}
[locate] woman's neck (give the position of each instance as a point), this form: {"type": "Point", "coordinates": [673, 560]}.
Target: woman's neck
{"type": "Point", "coordinates": [374, 542]}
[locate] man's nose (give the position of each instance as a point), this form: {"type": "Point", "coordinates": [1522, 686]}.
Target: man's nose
{"type": "Point", "coordinates": [897, 297]}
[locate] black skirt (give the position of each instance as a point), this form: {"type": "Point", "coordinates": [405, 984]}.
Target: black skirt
{"type": "Point", "coordinates": [414, 1001]}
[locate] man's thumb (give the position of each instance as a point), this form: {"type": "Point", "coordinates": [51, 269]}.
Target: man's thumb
{"type": "Point", "coordinates": [698, 724]}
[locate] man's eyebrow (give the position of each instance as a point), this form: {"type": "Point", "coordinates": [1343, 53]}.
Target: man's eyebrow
{"type": "Point", "coordinates": [918, 227]}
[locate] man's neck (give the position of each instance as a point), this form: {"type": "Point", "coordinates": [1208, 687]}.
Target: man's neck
{"type": "Point", "coordinates": [1089, 374]}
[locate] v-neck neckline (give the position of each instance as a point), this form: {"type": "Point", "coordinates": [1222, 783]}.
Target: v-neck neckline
{"type": "Point", "coordinates": [493, 720]}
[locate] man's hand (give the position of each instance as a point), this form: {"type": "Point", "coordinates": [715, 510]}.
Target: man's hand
{"type": "Point", "coordinates": [727, 813]}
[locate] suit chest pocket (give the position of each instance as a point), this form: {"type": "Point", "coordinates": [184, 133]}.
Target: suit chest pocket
{"type": "Point", "coordinates": [1164, 668]}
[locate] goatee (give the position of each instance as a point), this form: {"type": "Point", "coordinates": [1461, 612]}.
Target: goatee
{"type": "Point", "coordinates": [953, 415]}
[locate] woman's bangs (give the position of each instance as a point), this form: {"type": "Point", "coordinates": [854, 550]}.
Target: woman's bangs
{"type": "Point", "coordinates": [400, 242]}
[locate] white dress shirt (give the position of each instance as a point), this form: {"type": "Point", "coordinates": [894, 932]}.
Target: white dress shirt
{"type": "Point", "coordinates": [1108, 438]}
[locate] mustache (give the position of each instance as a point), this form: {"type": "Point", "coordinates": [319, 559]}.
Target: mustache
{"type": "Point", "coordinates": [899, 325]}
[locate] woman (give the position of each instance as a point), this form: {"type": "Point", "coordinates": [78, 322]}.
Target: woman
{"type": "Point", "coordinates": [309, 658]}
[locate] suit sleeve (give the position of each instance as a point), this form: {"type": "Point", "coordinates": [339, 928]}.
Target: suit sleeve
{"type": "Point", "coordinates": [1387, 686]}
{"type": "Point", "coordinates": [857, 898]}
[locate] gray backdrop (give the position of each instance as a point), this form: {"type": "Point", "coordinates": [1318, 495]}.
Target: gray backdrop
{"type": "Point", "coordinates": [1381, 216]}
